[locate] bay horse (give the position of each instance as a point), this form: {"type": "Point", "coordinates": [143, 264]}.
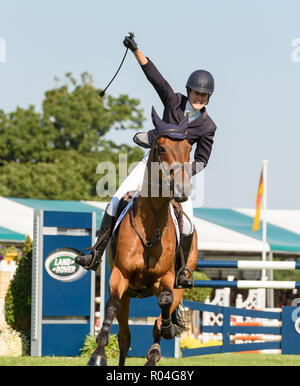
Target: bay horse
{"type": "Point", "coordinates": [145, 246]}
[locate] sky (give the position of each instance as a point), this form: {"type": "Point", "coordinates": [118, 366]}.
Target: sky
{"type": "Point", "coordinates": [250, 47]}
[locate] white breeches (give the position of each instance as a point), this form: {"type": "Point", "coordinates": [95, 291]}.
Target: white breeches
{"type": "Point", "coordinates": [133, 181]}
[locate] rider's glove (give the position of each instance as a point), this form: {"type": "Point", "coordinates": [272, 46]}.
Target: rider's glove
{"type": "Point", "coordinates": [130, 43]}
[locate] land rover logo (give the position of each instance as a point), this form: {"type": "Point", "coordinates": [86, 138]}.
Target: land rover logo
{"type": "Point", "coordinates": [297, 325]}
{"type": "Point", "coordinates": [61, 266]}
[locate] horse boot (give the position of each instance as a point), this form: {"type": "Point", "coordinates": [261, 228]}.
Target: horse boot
{"type": "Point", "coordinates": [181, 259]}
{"type": "Point", "coordinates": [93, 259]}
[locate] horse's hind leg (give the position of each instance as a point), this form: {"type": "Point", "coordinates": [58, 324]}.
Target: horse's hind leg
{"type": "Point", "coordinates": [124, 332]}
{"type": "Point", "coordinates": [117, 285]}
{"type": "Point", "coordinates": [154, 354]}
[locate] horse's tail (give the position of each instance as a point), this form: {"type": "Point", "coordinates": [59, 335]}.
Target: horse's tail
{"type": "Point", "coordinates": [179, 320]}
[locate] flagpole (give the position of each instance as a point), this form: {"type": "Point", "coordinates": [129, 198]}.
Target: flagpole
{"type": "Point", "coordinates": [264, 217]}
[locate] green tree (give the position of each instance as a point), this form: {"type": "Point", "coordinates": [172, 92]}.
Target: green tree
{"type": "Point", "coordinates": [54, 154]}
{"type": "Point", "coordinates": [18, 297]}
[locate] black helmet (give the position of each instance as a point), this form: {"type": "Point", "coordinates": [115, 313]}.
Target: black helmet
{"type": "Point", "coordinates": [201, 81]}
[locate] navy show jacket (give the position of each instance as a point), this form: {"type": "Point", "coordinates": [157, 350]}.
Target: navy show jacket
{"type": "Point", "coordinates": [200, 131]}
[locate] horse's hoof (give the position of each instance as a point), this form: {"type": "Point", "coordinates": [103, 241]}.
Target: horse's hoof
{"type": "Point", "coordinates": [150, 362]}
{"type": "Point", "coordinates": [154, 355]}
{"type": "Point", "coordinates": [97, 360]}
{"type": "Point", "coordinates": [168, 333]}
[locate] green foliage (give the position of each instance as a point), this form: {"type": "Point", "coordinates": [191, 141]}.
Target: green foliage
{"type": "Point", "coordinates": [10, 249]}
{"type": "Point", "coordinates": [198, 294]}
{"type": "Point", "coordinates": [53, 154]}
{"type": "Point", "coordinates": [90, 344]}
{"type": "Point", "coordinates": [18, 297]}
{"type": "Point", "coordinates": [292, 275]}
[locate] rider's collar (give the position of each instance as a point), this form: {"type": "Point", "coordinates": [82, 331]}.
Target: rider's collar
{"type": "Point", "coordinates": [191, 112]}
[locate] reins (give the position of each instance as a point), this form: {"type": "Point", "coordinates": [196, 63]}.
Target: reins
{"type": "Point", "coordinates": [158, 234]}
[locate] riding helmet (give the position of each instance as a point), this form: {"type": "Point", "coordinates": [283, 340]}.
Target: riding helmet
{"type": "Point", "coordinates": [201, 81]}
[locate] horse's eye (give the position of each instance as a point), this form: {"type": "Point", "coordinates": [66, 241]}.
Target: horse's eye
{"type": "Point", "coordinates": [161, 149]}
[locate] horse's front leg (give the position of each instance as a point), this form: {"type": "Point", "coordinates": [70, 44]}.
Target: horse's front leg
{"type": "Point", "coordinates": [154, 354]}
{"type": "Point", "coordinates": [165, 301]}
{"type": "Point", "coordinates": [117, 285]}
{"type": "Point", "coordinates": [124, 332]}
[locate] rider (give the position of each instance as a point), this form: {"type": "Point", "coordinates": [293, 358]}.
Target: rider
{"type": "Point", "coordinates": [201, 130]}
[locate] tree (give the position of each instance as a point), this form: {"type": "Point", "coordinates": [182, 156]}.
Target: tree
{"type": "Point", "coordinates": [18, 297]}
{"type": "Point", "coordinates": [54, 154]}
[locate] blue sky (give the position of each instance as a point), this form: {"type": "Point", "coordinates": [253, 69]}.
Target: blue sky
{"type": "Point", "coordinates": [247, 45]}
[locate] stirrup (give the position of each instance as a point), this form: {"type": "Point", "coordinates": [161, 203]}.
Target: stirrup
{"type": "Point", "coordinates": [93, 253]}
{"type": "Point", "coordinates": [180, 271]}
{"type": "Point", "coordinates": [96, 259]}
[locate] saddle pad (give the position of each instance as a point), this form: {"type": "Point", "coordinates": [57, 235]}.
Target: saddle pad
{"type": "Point", "coordinates": [171, 209]}
{"type": "Point", "coordinates": [122, 214]}
{"type": "Point", "coordinates": [128, 206]}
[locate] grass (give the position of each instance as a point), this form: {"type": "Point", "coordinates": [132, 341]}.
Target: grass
{"type": "Point", "coordinates": [205, 360]}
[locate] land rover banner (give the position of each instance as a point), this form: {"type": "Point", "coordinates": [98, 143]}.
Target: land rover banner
{"type": "Point", "coordinates": [61, 266]}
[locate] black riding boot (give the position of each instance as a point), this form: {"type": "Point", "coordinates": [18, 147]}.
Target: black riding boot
{"type": "Point", "coordinates": [93, 259]}
{"type": "Point", "coordinates": [180, 266]}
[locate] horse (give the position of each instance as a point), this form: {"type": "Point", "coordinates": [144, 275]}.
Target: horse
{"type": "Point", "coordinates": [146, 244]}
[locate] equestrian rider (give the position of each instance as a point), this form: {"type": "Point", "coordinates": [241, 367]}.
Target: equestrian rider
{"type": "Point", "coordinates": [200, 131]}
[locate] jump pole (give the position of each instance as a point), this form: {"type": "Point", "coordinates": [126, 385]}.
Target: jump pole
{"type": "Point", "coordinates": [247, 284]}
{"type": "Point", "coordinates": [249, 264]}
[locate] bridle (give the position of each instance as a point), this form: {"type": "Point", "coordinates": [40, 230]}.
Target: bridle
{"type": "Point", "coordinates": [166, 171]}
{"type": "Point", "coordinates": [165, 179]}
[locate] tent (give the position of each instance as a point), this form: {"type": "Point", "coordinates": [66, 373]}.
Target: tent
{"type": "Point", "coordinates": [231, 230]}
{"type": "Point", "coordinates": [219, 230]}
{"type": "Point", "coordinates": [9, 236]}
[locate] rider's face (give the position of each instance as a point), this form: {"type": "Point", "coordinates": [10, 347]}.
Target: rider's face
{"type": "Point", "coordinates": [197, 99]}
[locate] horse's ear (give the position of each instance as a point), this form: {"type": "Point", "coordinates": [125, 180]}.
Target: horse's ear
{"type": "Point", "coordinates": [184, 123]}
{"type": "Point", "coordinates": [157, 122]}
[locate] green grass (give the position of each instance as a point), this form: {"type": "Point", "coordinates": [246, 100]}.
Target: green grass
{"type": "Point", "coordinates": [205, 360]}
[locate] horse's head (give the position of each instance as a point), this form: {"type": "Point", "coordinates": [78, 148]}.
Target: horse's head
{"type": "Point", "coordinates": [172, 151]}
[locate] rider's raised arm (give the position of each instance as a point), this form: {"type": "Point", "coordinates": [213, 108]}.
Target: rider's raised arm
{"type": "Point", "coordinates": [202, 152]}
{"type": "Point", "coordinates": [140, 57]}
{"type": "Point", "coordinates": [161, 86]}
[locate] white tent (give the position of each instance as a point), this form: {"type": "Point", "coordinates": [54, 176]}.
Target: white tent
{"type": "Point", "coordinates": [223, 230]}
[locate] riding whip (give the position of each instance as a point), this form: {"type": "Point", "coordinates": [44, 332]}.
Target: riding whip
{"type": "Point", "coordinates": [102, 93]}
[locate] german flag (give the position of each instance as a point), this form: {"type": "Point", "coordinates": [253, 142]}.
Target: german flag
{"type": "Point", "coordinates": [256, 222]}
